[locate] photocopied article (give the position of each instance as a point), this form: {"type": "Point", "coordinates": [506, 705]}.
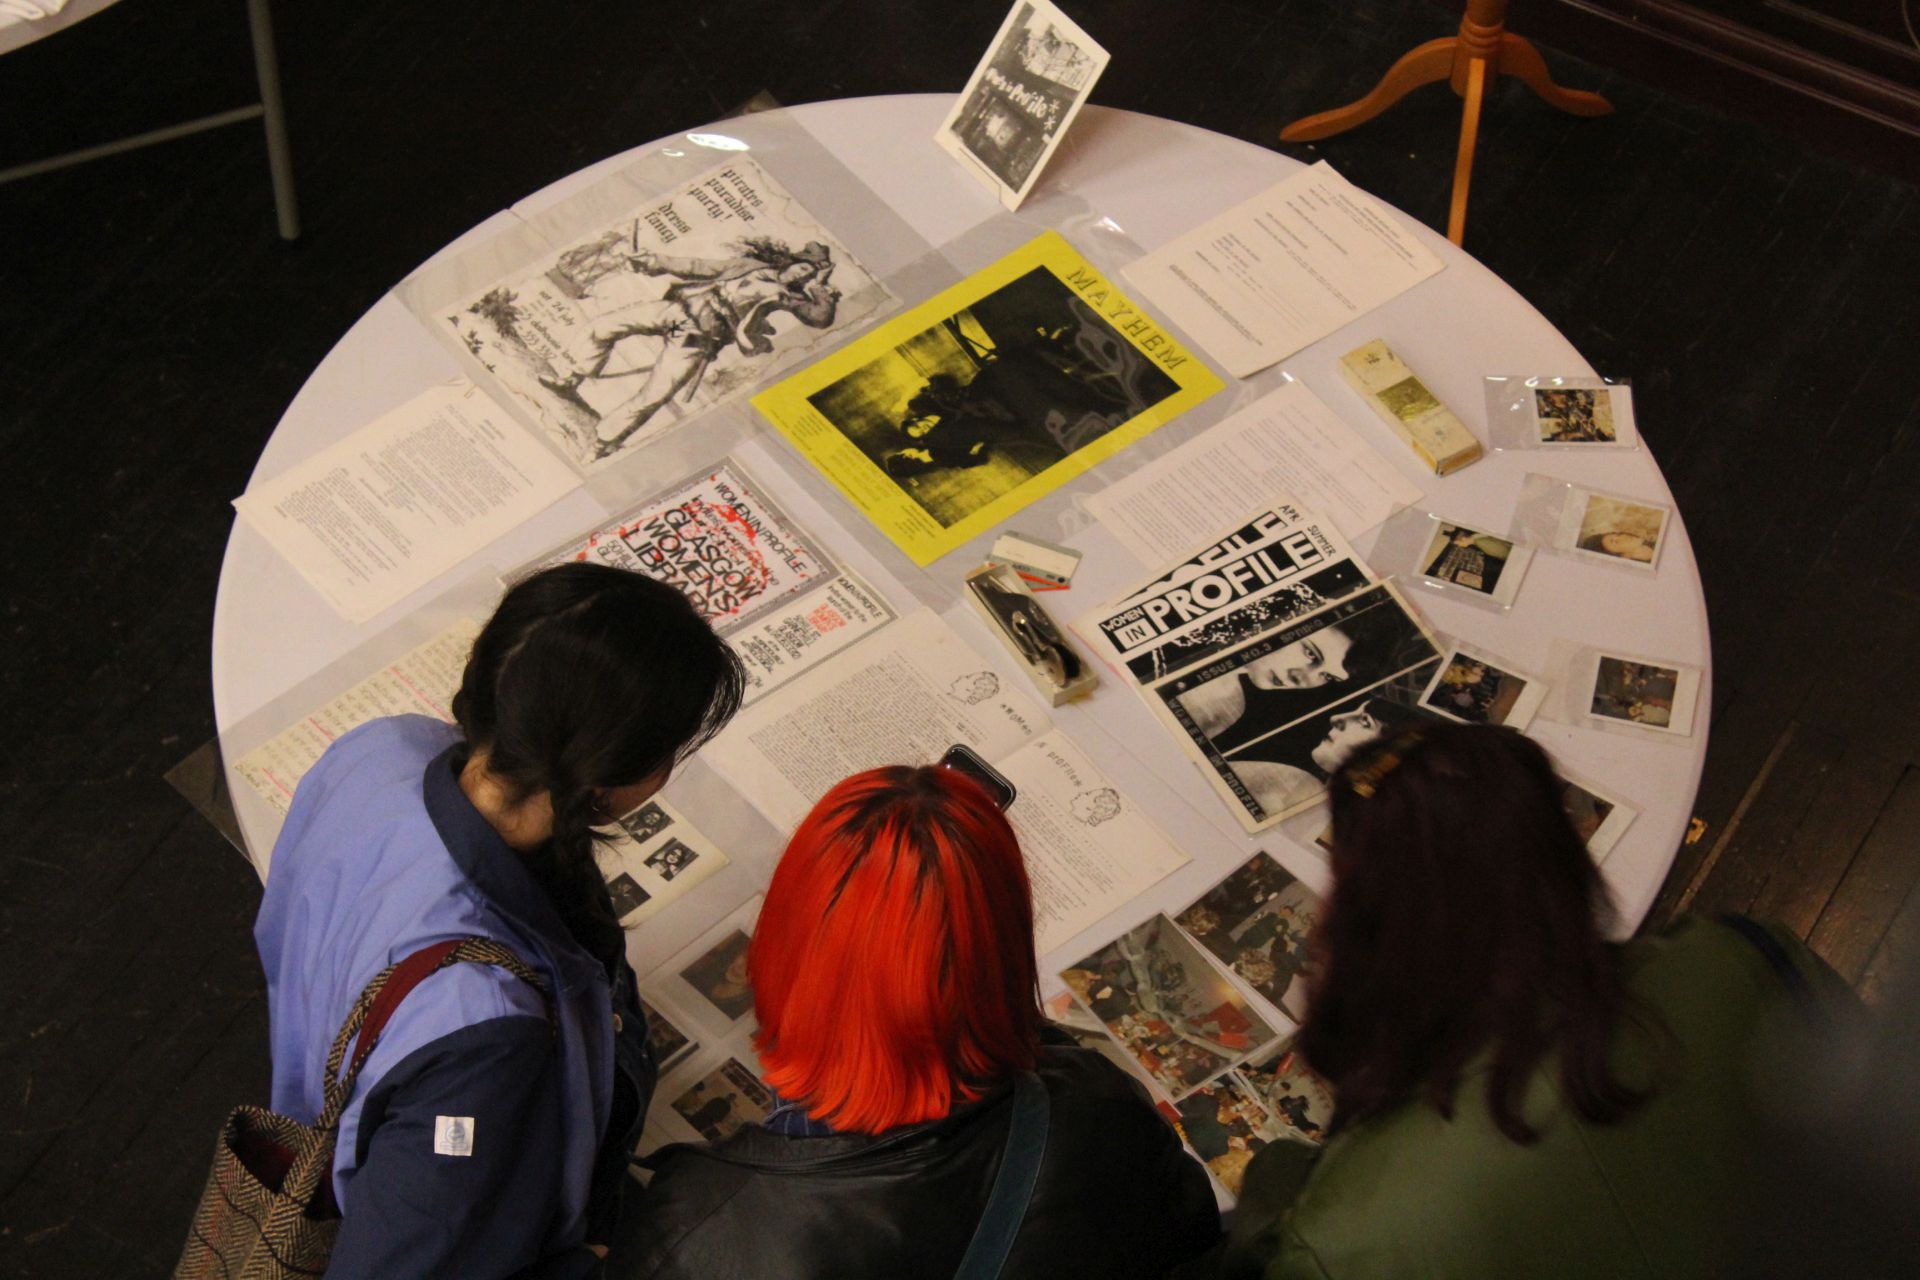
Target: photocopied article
{"type": "Point", "coordinates": [1288, 441]}
{"type": "Point", "coordinates": [1283, 270]}
{"type": "Point", "coordinates": [765, 583]}
{"type": "Point", "coordinates": [422, 683]}
{"type": "Point", "coordinates": [382, 513]}
{"type": "Point", "coordinates": [903, 697]}
{"type": "Point", "coordinates": [1089, 849]}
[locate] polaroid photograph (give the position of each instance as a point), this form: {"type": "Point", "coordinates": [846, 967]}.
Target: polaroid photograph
{"type": "Point", "coordinates": [1256, 923]}
{"type": "Point", "coordinates": [1014, 110]}
{"type": "Point", "coordinates": [1599, 819]}
{"type": "Point", "coordinates": [720, 975]}
{"type": "Point", "coordinates": [669, 1043]}
{"type": "Point", "coordinates": [1480, 689]}
{"type": "Point", "coordinates": [1463, 558]}
{"type": "Point", "coordinates": [1613, 529]}
{"type": "Point", "coordinates": [1577, 416]}
{"type": "Point", "coordinates": [1158, 994]}
{"type": "Point", "coordinates": [1646, 695]}
{"type": "Point", "coordinates": [724, 1101]}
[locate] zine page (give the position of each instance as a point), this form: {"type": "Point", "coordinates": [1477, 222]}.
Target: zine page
{"type": "Point", "coordinates": [652, 856]}
{"type": "Point", "coordinates": [1288, 441]}
{"type": "Point", "coordinates": [422, 682]}
{"type": "Point", "coordinates": [676, 306]}
{"type": "Point", "coordinates": [1283, 270]}
{"type": "Point", "coordinates": [1089, 849]}
{"type": "Point", "coordinates": [769, 587]}
{"type": "Point", "coordinates": [943, 422]}
{"type": "Point", "coordinates": [903, 697]}
{"type": "Point", "coordinates": [375, 517]}
{"type": "Point", "coordinates": [1026, 91]}
{"type": "Point", "coordinates": [1279, 563]}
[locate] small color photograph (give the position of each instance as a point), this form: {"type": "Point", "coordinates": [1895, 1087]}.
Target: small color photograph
{"type": "Point", "coordinates": [1568, 415]}
{"type": "Point", "coordinates": [1158, 995]}
{"type": "Point", "coordinates": [1628, 532]}
{"type": "Point", "coordinates": [1256, 922]}
{"type": "Point", "coordinates": [727, 1100]}
{"type": "Point", "coordinates": [721, 976]}
{"type": "Point", "coordinates": [1472, 688]}
{"type": "Point", "coordinates": [1468, 558]}
{"type": "Point", "coordinates": [1639, 693]}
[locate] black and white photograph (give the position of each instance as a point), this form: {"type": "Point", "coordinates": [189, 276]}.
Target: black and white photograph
{"type": "Point", "coordinates": [1460, 557]}
{"type": "Point", "coordinates": [728, 1099]}
{"type": "Point", "coordinates": [1273, 719]}
{"type": "Point", "coordinates": [671, 858]}
{"type": "Point", "coordinates": [676, 306]}
{"type": "Point", "coordinates": [646, 822]}
{"type": "Point", "coordinates": [1481, 689]}
{"type": "Point", "coordinates": [720, 975]}
{"type": "Point", "coordinates": [627, 895]}
{"type": "Point", "coordinates": [1021, 98]}
{"type": "Point", "coordinates": [1256, 922]}
{"type": "Point", "coordinates": [1158, 994]}
{"type": "Point", "coordinates": [669, 1043]}
{"type": "Point", "coordinates": [993, 395]}
{"type": "Point", "coordinates": [1646, 695]}
{"type": "Point", "coordinates": [1574, 415]}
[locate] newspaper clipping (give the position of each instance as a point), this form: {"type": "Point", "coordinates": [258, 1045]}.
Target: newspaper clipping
{"type": "Point", "coordinates": [673, 308]}
{"type": "Point", "coordinates": [1272, 719]}
{"type": "Point", "coordinates": [946, 420]}
{"type": "Point", "coordinates": [761, 580]}
{"type": "Point", "coordinates": [1276, 565]}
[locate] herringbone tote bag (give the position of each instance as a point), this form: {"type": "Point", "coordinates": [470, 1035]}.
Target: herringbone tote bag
{"type": "Point", "coordinates": [267, 1211]}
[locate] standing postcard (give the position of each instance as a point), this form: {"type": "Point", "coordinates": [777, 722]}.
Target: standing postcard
{"type": "Point", "coordinates": [946, 420]}
{"type": "Point", "coordinates": [1023, 95]}
{"type": "Point", "coordinates": [671, 308]}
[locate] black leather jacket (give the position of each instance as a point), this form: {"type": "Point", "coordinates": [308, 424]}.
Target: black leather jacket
{"type": "Point", "coordinates": [1117, 1196]}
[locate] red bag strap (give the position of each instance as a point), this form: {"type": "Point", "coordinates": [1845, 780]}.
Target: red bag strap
{"type": "Point", "coordinates": [406, 975]}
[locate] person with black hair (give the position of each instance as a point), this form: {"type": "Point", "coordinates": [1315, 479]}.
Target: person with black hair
{"type": "Point", "coordinates": [489, 1131]}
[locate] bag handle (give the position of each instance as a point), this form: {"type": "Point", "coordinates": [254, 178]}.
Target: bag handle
{"type": "Point", "coordinates": [1013, 1185]}
{"type": "Point", "coordinates": [367, 1019]}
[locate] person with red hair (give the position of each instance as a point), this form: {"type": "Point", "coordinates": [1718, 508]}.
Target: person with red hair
{"type": "Point", "coordinates": [895, 984]}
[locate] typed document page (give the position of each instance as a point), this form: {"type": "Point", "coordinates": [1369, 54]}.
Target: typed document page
{"type": "Point", "coordinates": [1089, 849]}
{"type": "Point", "coordinates": [382, 513]}
{"type": "Point", "coordinates": [1287, 441]}
{"type": "Point", "coordinates": [903, 696]}
{"type": "Point", "coordinates": [1283, 270]}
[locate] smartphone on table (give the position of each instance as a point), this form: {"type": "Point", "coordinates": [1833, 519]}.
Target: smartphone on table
{"type": "Point", "coordinates": [966, 760]}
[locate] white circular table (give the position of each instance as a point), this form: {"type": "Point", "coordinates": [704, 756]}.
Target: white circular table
{"type": "Point", "coordinates": [1156, 179]}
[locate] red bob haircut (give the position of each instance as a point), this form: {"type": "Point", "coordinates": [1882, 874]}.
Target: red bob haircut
{"type": "Point", "coordinates": [893, 967]}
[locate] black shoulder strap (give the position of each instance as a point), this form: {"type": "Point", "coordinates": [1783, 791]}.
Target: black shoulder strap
{"type": "Point", "coordinates": [1013, 1185]}
{"type": "Point", "coordinates": [1776, 955]}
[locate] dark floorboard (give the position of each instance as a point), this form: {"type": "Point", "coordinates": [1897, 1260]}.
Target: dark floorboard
{"type": "Point", "coordinates": [1759, 294]}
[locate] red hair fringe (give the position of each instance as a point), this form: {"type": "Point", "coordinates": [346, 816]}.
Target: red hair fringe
{"type": "Point", "coordinates": [893, 966]}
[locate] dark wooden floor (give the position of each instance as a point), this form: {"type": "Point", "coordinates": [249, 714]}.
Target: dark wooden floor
{"type": "Point", "coordinates": [1762, 298]}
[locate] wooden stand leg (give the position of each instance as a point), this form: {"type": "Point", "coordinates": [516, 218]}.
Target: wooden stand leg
{"type": "Point", "coordinates": [1523, 62]}
{"type": "Point", "coordinates": [1430, 62]}
{"type": "Point", "coordinates": [1463, 161]}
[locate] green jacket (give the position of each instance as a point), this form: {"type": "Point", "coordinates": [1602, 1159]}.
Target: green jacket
{"type": "Point", "coordinates": [1409, 1193]}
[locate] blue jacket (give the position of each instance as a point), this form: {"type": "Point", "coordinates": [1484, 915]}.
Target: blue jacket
{"type": "Point", "coordinates": [382, 854]}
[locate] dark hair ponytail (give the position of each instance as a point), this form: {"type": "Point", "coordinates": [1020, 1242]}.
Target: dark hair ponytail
{"type": "Point", "coordinates": [589, 677]}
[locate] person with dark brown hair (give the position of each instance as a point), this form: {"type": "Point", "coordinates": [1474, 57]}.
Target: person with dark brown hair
{"type": "Point", "coordinates": [1515, 1094]}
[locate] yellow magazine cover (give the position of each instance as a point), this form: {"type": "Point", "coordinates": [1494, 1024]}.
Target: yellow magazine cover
{"type": "Point", "coordinates": [946, 420]}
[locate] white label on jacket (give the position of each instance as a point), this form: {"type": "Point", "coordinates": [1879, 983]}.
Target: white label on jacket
{"type": "Point", "coordinates": [453, 1135]}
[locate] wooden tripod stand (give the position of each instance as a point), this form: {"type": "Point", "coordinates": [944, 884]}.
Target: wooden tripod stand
{"type": "Point", "coordinates": [1482, 51]}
